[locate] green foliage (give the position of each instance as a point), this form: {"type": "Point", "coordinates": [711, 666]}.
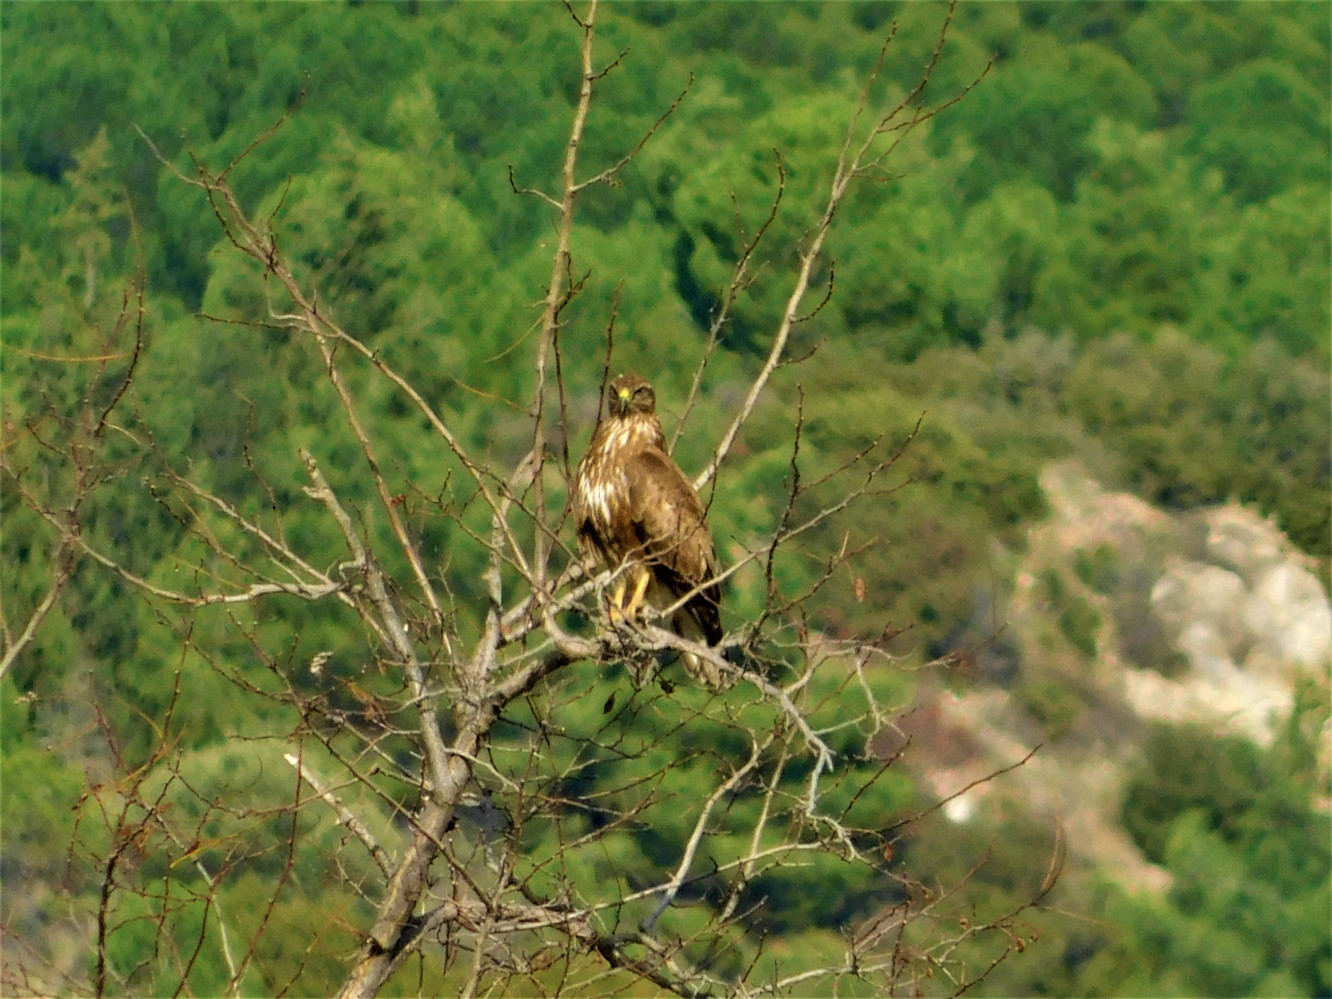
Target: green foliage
{"type": "Point", "coordinates": [1186, 429]}
{"type": "Point", "coordinates": [1079, 621]}
{"type": "Point", "coordinates": [1249, 908]}
{"type": "Point", "coordinates": [1052, 704]}
{"type": "Point", "coordinates": [1097, 568]}
{"type": "Point", "coordinates": [1032, 123]}
{"type": "Point", "coordinates": [993, 864]}
{"type": "Point", "coordinates": [1250, 856]}
{"type": "Point", "coordinates": [1266, 121]}
{"type": "Point", "coordinates": [1116, 247]}
{"type": "Point", "coordinates": [35, 838]}
{"type": "Point", "coordinates": [1186, 769]}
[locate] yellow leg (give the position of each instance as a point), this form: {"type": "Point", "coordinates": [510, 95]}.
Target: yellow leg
{"type": "Point", "coordinates": [640, 589]}
{"type": "Point", "coordinates": [615, 600]}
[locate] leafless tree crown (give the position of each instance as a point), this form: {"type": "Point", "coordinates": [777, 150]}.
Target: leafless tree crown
{"type": "Point", "coordinates": [438, 769]}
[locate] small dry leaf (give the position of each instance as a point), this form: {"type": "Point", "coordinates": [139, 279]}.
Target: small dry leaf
{"type": "Point", "coordinates": [860, 589]}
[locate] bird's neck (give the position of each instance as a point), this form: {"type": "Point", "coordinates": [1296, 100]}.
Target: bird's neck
{"type": "Point", "coordinates": [634, 431]}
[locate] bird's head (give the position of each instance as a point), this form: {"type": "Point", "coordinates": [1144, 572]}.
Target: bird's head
{"type": "Point", "coordinates": [631, 394]}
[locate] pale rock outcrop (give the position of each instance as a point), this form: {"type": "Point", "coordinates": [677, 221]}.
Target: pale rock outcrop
{"type": "Point", "coordinates": [1223, 611]}
{"type": "Point", "coordinates": [1249, 619]}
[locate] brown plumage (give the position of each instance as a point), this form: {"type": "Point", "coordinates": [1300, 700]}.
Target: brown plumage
{"type": "Point", "coordinates": [633, 506]}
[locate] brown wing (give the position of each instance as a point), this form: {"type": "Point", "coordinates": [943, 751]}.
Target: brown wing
{"type": "Point", "coordinates": [593, 542]}
{"type": "Point", "coordinates": [672, 532]}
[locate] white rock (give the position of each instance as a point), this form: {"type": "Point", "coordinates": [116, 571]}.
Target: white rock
{"type": "Point", "coordinates": [1230, 698]}
{"type": "Point", "coordinates": [959, 810]}
{"type": "Point", "coordinates": [1245, 628]}
{"type": "Point", "coordinates": [1243, 539]}
{"type": "Point", "coordinates": [1201, 604]}
{"type": "Point", "coordinates": [1288, 616]}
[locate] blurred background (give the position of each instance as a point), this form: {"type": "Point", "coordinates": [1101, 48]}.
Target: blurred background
{"type": "Point", "coordinates": [1102, 277]}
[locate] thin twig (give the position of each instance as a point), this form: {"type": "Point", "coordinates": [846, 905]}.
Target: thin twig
{"type": "Point", "coordinates": [345, 815]}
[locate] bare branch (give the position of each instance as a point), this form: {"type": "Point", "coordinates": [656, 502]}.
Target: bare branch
{"type": "Point", "coordinates": [687, 860]}
{"type": "Point", "coordinates": [462, 745]}
{"type": "Point", "coordinates": [610, 172]}
{"type": "Point", "coordinates": [345, 815]}
{"type": "Point", "coordinates": [64, 567]}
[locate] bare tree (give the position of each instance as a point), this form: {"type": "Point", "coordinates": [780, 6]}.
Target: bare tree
{"type": "Point", "coordinates": [471, 814]}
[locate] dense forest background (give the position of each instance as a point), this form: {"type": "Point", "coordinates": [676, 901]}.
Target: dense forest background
{"type": "Point", "coordinates": [1115, 249]}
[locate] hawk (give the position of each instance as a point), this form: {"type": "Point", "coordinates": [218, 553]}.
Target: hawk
{"type": "Point", "coordinates": [634, 510]}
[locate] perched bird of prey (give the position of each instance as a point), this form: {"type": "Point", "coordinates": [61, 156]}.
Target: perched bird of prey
{"type": "Point", "coordinates": [634, 508]}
